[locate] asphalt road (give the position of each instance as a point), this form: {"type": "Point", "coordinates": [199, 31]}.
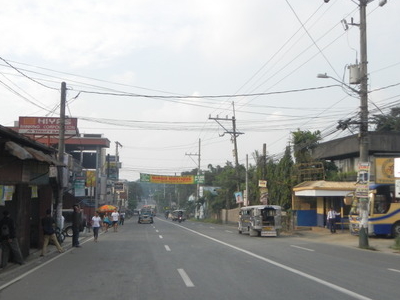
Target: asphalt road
{"type": "Point", "coordinates": [191, 260]}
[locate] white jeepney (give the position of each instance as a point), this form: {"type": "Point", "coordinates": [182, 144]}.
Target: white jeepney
{"type": "Point", "coordinates": [260, 220]}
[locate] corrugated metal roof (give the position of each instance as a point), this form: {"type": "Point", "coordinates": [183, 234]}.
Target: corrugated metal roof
{"type": "Point", "coordinates": [325, 185]}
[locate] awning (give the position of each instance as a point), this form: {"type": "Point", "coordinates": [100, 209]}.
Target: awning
{"type": "Point", "coordinates": [324, 188]}
{"type": "Point", "coordinates": [24, 153]}
{"type": "Point", "coordinates": [17, 150]}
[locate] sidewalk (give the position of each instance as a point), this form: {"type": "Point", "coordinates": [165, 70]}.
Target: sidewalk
{"type": "Point", "coordinates": [14, 270]}
{"type": "Point", "coordinates": [345, 239]}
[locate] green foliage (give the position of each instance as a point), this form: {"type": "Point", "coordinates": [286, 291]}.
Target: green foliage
{"type": "Point", "coordinates": [389, 122]}
{"type": "Point", "coordinates": [303, 143]}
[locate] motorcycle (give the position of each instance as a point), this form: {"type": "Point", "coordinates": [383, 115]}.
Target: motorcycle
{"type": "Point", "coordinates": [180, 219]}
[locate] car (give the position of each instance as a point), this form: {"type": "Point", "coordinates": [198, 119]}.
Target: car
{"type": "Point", "coordinates": [145, 217]}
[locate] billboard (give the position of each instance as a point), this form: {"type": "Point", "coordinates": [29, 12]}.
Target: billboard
{"type": "Point", "coordinates": [187, 179]}
{"type": "Point", "coordinates": [47, 125]}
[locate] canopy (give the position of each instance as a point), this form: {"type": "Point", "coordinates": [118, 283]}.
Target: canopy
{"type": "Point", "coordinates": [107, 208]}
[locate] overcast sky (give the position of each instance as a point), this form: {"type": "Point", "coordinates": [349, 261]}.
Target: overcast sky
{"type": "Point", "coordinates": [118, 57]}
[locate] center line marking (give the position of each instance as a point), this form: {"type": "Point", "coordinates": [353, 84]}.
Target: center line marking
{"type": "Point", "coordinates": [167, 248]}
{"type": "Point", "coordinates": [302, 248]}
{"type": "Point", "coordinates": [160, 236]}
{"type": "Point", "coordinates": [185, 278]}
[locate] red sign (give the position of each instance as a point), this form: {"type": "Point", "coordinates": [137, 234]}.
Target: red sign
{"type": "Point", "coordinates": [47, 125]}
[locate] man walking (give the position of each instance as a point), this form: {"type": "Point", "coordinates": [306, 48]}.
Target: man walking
{"type": "Point", "coordinates": [331, 218]}
{"type": "Point", "coordinates": [49, 225]}
{"type": "Point", "coordinates": [76, 225]}
{"type": "Point", "coordinates": [115, 219]}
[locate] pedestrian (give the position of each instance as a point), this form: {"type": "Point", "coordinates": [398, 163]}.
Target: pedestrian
{"type": "Point", "coordinates": [9, 241]}
{"type": "Point", "coordinates": [115, 219]}
{"type": "Point", "coordinates": [331, 219]}
{"type": "Point", "coordinates": [121, 218]}
{"type": "Point", "coordinates": [48, 225]}
{"type": "Point", "coordinates": [76, 225]}
{"type": "Point", "coordinates": [96, 223]}
{"type": "Point", "coordinates": [106, 222]}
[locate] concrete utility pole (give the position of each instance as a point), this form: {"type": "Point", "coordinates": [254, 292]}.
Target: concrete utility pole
{"type": "Point", "coordinates": [61, 149]}
{"type": "Point", "coordinates": [198, 168]}
{"type": "Point", "coordinates": [364, 158]}
{"type": "Point", "coordinates": [234, 134]}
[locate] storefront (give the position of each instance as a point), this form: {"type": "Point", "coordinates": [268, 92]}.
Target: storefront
{"type": "Point", "coordinates": [312, 200]}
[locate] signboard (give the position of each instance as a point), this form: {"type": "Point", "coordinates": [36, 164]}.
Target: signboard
{"type": "Point", "coordinates": [262, 183]}
{"type": "Point", "coordinates": [384, 172]}
{"type": "Point", "coordinates": [188, 179]}
{"type": "Point", "coordinates": [362, 186]}
{"type": "Point", "coordinates": [239, 197]}
{"type": "Point", "coordinates": [47, 125]}
{"type": "Point", "coordinates": [397, 167]}
{"type": "Point", "coordinates": [119, 186]}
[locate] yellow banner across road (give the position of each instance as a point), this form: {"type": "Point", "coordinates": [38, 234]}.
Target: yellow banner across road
{"type": "Point", "coordinates": [165, 179]}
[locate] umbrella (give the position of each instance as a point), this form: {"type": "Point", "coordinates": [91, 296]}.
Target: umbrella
{"type": "Point", "coordinates": [106, 208]}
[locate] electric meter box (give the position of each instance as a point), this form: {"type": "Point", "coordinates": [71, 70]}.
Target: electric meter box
{"type": "Point", "coordinates": [354, 74]}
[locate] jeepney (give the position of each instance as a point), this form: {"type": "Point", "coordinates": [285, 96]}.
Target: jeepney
{"type": "Point", "coordinates": [260, 220]}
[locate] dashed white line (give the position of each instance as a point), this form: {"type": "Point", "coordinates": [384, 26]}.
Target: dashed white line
{"type": "Point", "coordinates": [287, 268]}
{"type": "Point", "coordinates": [157, 230]}
{"type": "Point", "coordinates": [228, 231]}
{"type": "Point", "coordinates": [302, 248]}
{"type": "Point", "coordinates": [185, 278]}
{"type": "Point", "coordinates": [160, 236]}
{"type": "Point", "coordinates": [167, 248]}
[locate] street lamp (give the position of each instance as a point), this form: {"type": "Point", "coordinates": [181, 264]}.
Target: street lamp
{"type": "Point", "coordinates": [325, 76]}
{"type": "Point", "coordinates": [363, 143]}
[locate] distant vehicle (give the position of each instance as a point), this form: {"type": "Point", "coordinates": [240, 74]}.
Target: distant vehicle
{"type": "Point", "coordinates": [260, 220]}
{"type": "Point", "coordinates": [145, 216]}
{"type": "Point", "coordinates": [178, 215]}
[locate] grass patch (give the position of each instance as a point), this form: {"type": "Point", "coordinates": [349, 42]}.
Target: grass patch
{"type": "Point", "coordinates": [396, 245]}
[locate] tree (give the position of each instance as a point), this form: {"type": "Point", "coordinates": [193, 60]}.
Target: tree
{"type": "Point", "coordinates": [389, 122]}
{"type": "Point", "coordinates": [303, 143]}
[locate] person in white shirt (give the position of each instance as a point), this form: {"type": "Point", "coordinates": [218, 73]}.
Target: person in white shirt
{"type": "Point", "coordinates": [115, 219]}
{"type": "Point", "coordinates": [331, 219]}
{"type": "Point", "coordinates": [96, 224]}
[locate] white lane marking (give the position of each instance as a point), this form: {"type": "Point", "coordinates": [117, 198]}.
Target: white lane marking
{"type": "Point", "coordinates": [302, 248]}
{"type": "Point", "coordinates": [212, 227]}
{"type": "Point", "coordinates": [185, 278]}
{"type": "Point", "coordinates": [160, 236]}
{"type": "Point", "coordinates": [394, 270]}
{"type": "Point", "coordinates": [157, 230]}
{"type": "Point", "coordinates": [228, 231]}
{"type": "Point", "coordinates": [279, 265]}
{"type": "Point", "coordinates": [167, 248]}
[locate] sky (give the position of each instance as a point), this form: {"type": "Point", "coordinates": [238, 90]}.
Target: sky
{"type": "Point", "coordinates": [154, 75]}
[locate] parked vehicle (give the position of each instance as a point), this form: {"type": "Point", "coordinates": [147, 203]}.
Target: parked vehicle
{"type": "Point", "coordinates": [383, 215]}
{"type": "Point", "coordinates": [67, 214]}
{"type": "Point", "coordinates": [260, 220]}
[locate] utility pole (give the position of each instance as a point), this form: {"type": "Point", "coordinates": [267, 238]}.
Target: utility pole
{"type": "Point", "coordinates": [363, 202]}
{"type": "Point", "coordinates": [117, 144]}
{"type": "Point", "coordinates": [234, 134]}
{"type": "Point", "coordinates": [198, 168]}
{"type": "Point", "coordinates": [61, 149]}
